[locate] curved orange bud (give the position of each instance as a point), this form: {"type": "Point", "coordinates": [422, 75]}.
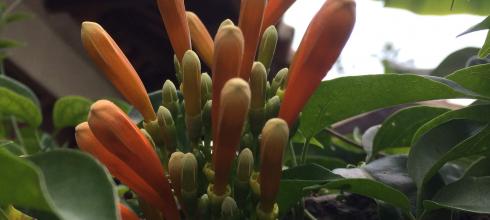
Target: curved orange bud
{"type": "Point", "coordinates": [126, 213]}
{"type": "Point", "coordinates": [117, 68]}
{"type": "Point", "coordinates": [119, 169]}
{"type": "Point", "coordinates": [228, 53]}
{"type": "Point", "coordinates": [250, 22]}
{"type": "Point", "coordinates": [319, 49]}
{"type": "Point", "coordinates": [275, 136]}
{"type": "Point", "coordinates": [235, 103]}
{"type": "Point", "coordinates": [121, 137]}
{"type": "Point", "coordinates": [274, 10]}
{"type": "Point", "coordinates": [200, 37]}
{"type": "Point", "coordinates": [175, 21]}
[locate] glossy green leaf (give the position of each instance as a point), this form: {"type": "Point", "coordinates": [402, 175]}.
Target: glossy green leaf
{"type": "Point", "coordinates": [455, 61]}
{"type": "Point", "coordinates": [470, 194]}
{"type": "Point", "coordinates": [479, 168]}
{"type": "Point", "coordinates": [19, 88]}
{"type": "Point", "coordinates": [12, 147]}
{"type": "Point", "coordinates": [474, 112]}
{"type": "Point", "coordinates": [19, 106]}
{"type": "Point", "coordinates": [295, 180]}
{"type": "Point", "coordinates": [442, 7]}
{"type": "Point", "coordinates": [79, 186]}
{"type": "Point", "coordinates": [373, 189]}
{"type": "Point", "coordinates": [341, 98]}
{"type": "Point", "coordinates": [398, 129]}
{"type": "Point", "coordinates": [69, 111]}
{"type": "Point", "coordinates": [475, 78]}
{"type": "Point", "coordinates": [22, 184]}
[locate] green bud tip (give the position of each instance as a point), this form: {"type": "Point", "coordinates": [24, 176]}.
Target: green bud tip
{"type": "Point", "coordinates": [169, 92]}
{"type": "Point", "coordinates": [272, 107]}
{"type": "Point", "coordinates": [178, 70]}
{"type": "Point", "coordinates": [229, 208]}
{"type": "Point", "coordinates": [267, 46]}
{"type": "Point", "coordinates": [245, 165]}
{"type": "Point", "coordinates": [206, 88]}
{"type": "Point", "coordinates": [258, 85]}
{"type": "Point", "coordinates": [164, 117]}
{"type": "Point", "coordinates": [148, 136]}
{"type": "Point", "coordinates": [191, 68]}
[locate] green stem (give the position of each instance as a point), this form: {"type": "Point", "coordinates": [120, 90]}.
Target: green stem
{"type": "Point", "coordinates": [293, 154]}
{"type": "Point", "coordinates": [18, 135]}
{"type": "Point", "coordinates": [306, 146]}
{"type": "Point", "coordinates": [308, 215]}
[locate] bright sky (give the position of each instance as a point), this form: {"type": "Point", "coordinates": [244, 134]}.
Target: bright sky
{"type": "Point", "coordinates": [423, 41]}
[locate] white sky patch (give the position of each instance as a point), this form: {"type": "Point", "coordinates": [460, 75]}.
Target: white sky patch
{"type": "Point", "coordinates": [422, 41]}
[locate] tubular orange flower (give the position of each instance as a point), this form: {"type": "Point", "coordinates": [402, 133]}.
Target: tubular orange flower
{"type": "Point", "coordinates": [117, 68]}
{"type": "Point", "coordinates": [200, 37]}
{"type": "Point", "coordinates": [274, 138]}
{"type": "Point", "coordinates": [228, 52]}
{"type": "Point", "coordinates": [250, 22]}
{"type": "Point", "coordinates": [122, 138]}
{"type": "Point", "coordinates": [274, 10]}
{"type": "Point", "coordinates": [175, 21]}
{"type": "Point", "coordinates": [319, 49]}
{"type": "Point", "coordinates": [235, 103]}
{"type": "Point", "coordinates": [126, 213]}
{"type": "Point", "coordinates": [118, 168]}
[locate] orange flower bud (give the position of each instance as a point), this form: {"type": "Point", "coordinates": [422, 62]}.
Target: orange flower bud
{"type": "Point", "coordinates": [126, 213]}
{"type": "Point", "coordinates": [275, 136]}
{"type": "Point", "coordinates": [250, 22]}
{"type": "Point", "coordinates": [200, 37]}
{"type": "Point", "coordinates": [121, 137]}
{"type": "Point", "coordinates": [235, 103]}
{"type": "Point", "coordinates": [117, 68]}
{"type": "Point", "coordinates": [118, 168]}
{"type": "Point", "coordinates": [175, 21]}
{"type": "Point", "coordinates": [274, 10]}
{"type": "Point", "coordinates": [319, 49]}
{"type": "Point", "coordinates": [228, 52]}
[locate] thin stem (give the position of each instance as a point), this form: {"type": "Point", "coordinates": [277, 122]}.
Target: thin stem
{"type": "Point", "coordinates": [306, 146]}
{"type": "Point", "coordinates": [309, 215]}
{"type": "Point", "coordinates": [18, 135]}
{"type": "Point", "coordinates": [293, 154]}
{"type": "Point", "coordinates": [342, 137]}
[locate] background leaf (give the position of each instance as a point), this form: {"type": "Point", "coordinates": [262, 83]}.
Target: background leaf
{"type": "Point", "coordinates": [69, 111]}
{"type": "Point", "coordinates": [455, 61]}
{"type": "Point", "coordinates": [19, 106]}
{"type": "Point", "coordinates": [19, 88]}
{"type": "Point", "coordinates": [474, 78]}
{"type": "Point", "coordinates": [442, 7]}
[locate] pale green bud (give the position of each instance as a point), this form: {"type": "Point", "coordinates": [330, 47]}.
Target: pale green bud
{"type": "Point", "coordinates": [272, 107]}
{"type": "Point", "coordinates": [170, 98]}
{"type": "Point", "coordinates": [267, 46]}
{"type": "Point", "coordinates": [229, 209]}
{"type": "Point", "coordinates": [279, 81]}
{"type": "Point", "coordinates": [168, 130]}
{"type": "Point", "coordinates": [206, 88]}
{"type": "Point", "coordinates": [178, 69]}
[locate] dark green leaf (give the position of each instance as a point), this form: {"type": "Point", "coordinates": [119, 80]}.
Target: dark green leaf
{"type": "Point", "coordinates": [470, 194]}
{"type": "Point", "coordinates": [373, 189]}
{"type": "Point", "coordinates": [19, 88]}
{"type": "Point", "coordinates": [479, 168]}
{"type": "Point", "coordinates": [79, 186]}
{"type": "Point", "coordinates": [442, 7]}
{"type": "Point", "coordinates": [475, 78]}
{"type": "Point", "coordinates": [69, 111]}
{"type": "Point", "coordinates": [455, 61]}
{"type": "Point", "coordinates": [17, 16]}
{"type": "Point", "coordinates": [399, 128]}
{"type": "Point", "coordinates": [294, 181]}
{"type": "Point", "coordinates": [341, 98]}
{"type": "Point", "coordinates": [484, 25]}
{"type": "Point", "coordinates": [12, 147]}
{"type": "Point", "coordinates": [19, 106]}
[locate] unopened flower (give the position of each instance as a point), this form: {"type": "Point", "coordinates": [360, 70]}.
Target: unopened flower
{"type": "Point", "coordinates": [175, 171]}
{"type": "Point", "coordinates": [279, 81]}
{"type": "Point", "coordinates": [117, 68]}
{"type": "Point", "coordinates": [250, 22]}
{"type": "Point", "coordinates": [126, 213]}
{"type": "Point", "coordinates": [200, 37]}
{"type": "Point", "coordinates": [191, 67]}
{"type": "Point", "coordinates": [235, 103]}
{"type": "Point", "coordinates": [267, 46]}
{"type": "Point", "coordinates": [274, 10]}
{"type": "Point", "coordinates": [258, 86]}
{"type": "Point", "coordinates": [206, 88]}
{"type": "Point", "coordinates": [320, 47]}
{"type": "Point", "coordinates": [274, 139]}
{"type": "Point", "coordinates": [170, 100]}
{"type": "Point", "coordinates": [117, 167]}
{"type": "Point", "coordinates": [228, 53]}
{"type": "Point", "coordinates": [175, 21]}
{"type": "Point", "coordinates": [113, 128]}
{"type": "Point", "coordinates": [167, 129]}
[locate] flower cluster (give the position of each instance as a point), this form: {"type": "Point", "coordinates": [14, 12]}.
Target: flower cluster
{"type": "Point", "coordinates": [184, 159]}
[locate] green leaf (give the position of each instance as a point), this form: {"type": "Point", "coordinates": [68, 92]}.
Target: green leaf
{"type": "Point", "coordinates": [455, 61]}
{"type": "Point", "coordinates": [22, 184]}
{"type": "Point", "coordinates": [398, 129]}
{"type": "Point", "coordinates": [79, 186]}
{"type": "Point", "coordinates": [12, 147]}
{"type": "Point", "coordinates": [485, 49]}
{"type": "Point", "coordinates": [295, 180]}
{"type": "Point", "coordinates": [341, 98]}
{"type": "Point", "coordinates": [474, 112]}
{"type": "Point", "coordinates": [470, 194]}
{"type": "Point", "coordinates": [7, 43]}
{"type": "Point", "coordinates": [474, 78]}
{"type": "Point", "coordinates": [17, 16]}
{"type": "Point", "coordinates": [69, 111]}
{"type": "Point", "coordinates": [368, 138]}
{"type": "Point", "coordinates": [479, 168]}
{"type": "Point", "coordinates": [19, 106]}
{"type": "Point", "coordinates": [373, 189]}
{"type": "Point", "coordinates": [19, 88]}
{"type": "Point", "coordinates": [484, 25]}
{"type": "Point", "coordinates": [442, 7]}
